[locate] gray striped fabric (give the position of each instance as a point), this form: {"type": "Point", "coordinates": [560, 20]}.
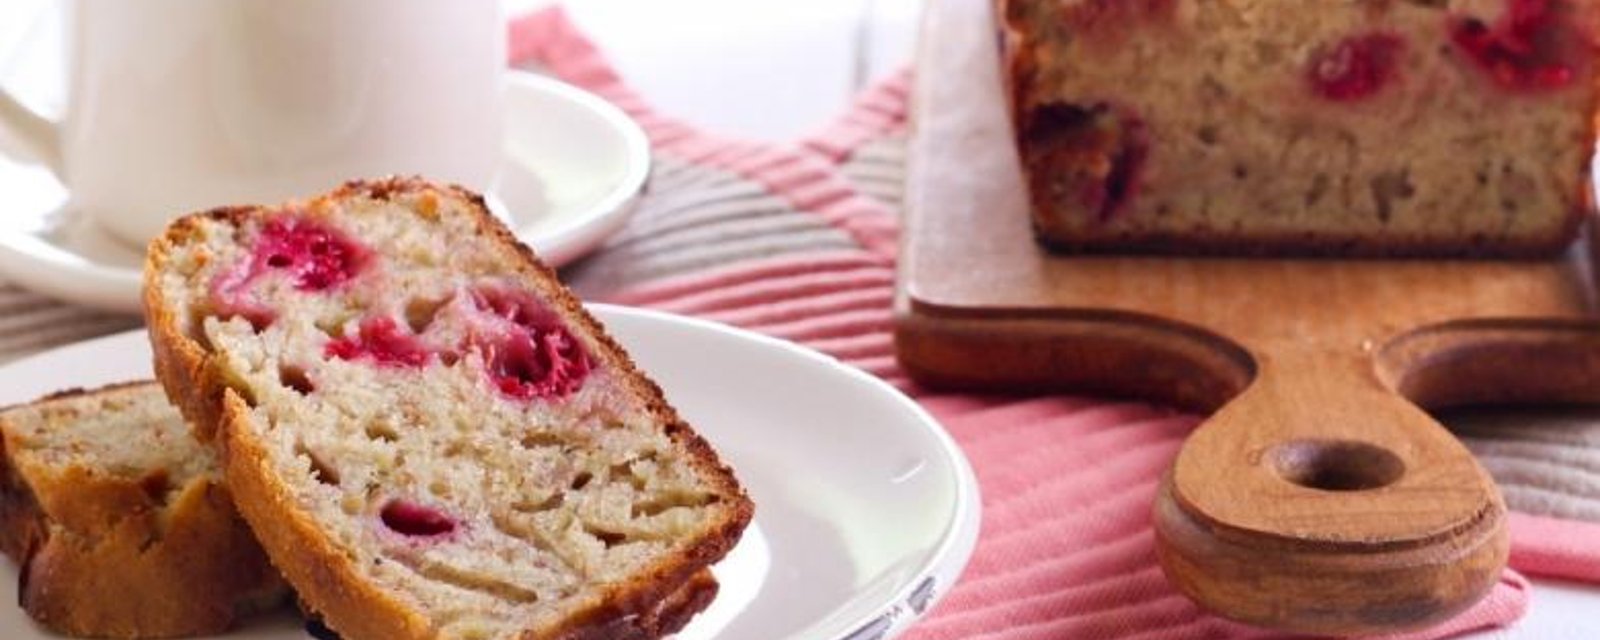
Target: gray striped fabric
{"type": "Point", "coordinates": [1547, 462]}
{"type": "Point", "coordinates": [695, 218]}
{"type": "Point", "coordinates": [878, 169]}
{"type": "Point", "coordinates": [30, 322]}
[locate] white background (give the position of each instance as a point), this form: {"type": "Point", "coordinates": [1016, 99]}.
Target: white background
{"type": "Point", "coordinates": [762, 69]}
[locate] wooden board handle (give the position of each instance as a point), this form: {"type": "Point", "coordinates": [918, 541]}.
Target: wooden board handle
{"type": "Point", "coordinates": [1322, 501]}
{"type": "Point", "coordinates": [1472, 362]}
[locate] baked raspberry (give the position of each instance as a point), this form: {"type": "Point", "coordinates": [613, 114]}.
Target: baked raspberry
{"type": "Point", "coordinates": [1532, 47]}
{"type": "Point", "coordinates": [411, 519]}
{"type": "Point", "coordinates": [314, 256]}
{"type": "Point", "coordinates": [1105, 149]}
{"type": "Point", "coordinates": [1100, 17]}
{"type": "Point", "coordinates": [380, 340]}
{"type": "Point", "coordinates": [536, 364]}
{"type": "Point", "coordinates": [530, 354]}
{"type": "Point", "coordinates": [1354, 68]}
{"type": "Point", "coordinates": [517, 307]}
{"type": "Point", "coordinates": [1127, 166]}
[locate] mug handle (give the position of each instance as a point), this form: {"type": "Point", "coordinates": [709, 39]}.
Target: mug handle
{"type": "Point", "coordinates": [39, 136]}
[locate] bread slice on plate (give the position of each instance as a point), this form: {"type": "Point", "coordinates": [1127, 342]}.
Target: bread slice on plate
{"type": "Point", "coordinates": [428, 433]}
{"type": "Point", "coordinates": [119, 521]}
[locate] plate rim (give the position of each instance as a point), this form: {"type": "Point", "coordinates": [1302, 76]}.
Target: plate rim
{"type": "Point", "coordinates": [606, 216]}
{"type": "Point", "coordinates": [897, 609]}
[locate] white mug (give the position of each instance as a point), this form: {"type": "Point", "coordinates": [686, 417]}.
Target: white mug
{"type": "Point", "coordinates": [176, 106]}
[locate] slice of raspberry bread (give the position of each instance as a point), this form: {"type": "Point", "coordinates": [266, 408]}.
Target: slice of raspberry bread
{"type": "Point", "coordinates": [119, 521]}
{"type": "Point", "coordinates": [428, 433]}
{"type": "Point", "coordinates": [1347, 127]}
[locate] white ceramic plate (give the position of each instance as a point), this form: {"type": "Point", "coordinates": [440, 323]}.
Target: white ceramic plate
{"type": "Point", "coordinates": [574, 168]}
{"type": "Point", "coordinates": [866, 511]}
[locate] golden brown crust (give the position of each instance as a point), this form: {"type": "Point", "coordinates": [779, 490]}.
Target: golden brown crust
{"type": "Point", "coordinates": [675, 612]}
{"type": "Point", "coordinates": [322, 575]}
{"type": "Point", "coordinates": [669, 616]}
{"type": "Point", "coordinates": [103, 557]}
{"type": "Point", "coordinates": [23, 526]}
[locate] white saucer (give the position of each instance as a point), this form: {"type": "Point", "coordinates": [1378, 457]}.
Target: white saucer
{"type": "Point", "coordinates": [866, 511]}
{"type": "Point", "coordinates": [574, 168]}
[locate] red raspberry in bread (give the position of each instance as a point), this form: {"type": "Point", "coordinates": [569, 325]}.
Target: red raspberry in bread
{"type": "Point", "coordinates": [381, 341]}
{"type": "Point", "coordinates": [1356, 67]}
{"type": "Point", "coordinates": [1535, 45]}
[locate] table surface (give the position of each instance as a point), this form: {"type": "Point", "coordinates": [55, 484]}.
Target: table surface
{"type": "Point", "coordinates": [796, 68]}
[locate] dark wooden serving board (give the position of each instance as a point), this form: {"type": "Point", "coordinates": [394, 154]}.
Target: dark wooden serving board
{"type": "Point", "coordinates": [1319, 496]}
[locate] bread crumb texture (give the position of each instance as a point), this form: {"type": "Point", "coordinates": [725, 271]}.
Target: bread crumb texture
{"type": "Point", "coordinates": [440, 413]}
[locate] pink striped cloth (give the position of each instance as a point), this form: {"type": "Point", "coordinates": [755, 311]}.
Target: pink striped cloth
{"type": "Point", "coordinates": [1066, 549]}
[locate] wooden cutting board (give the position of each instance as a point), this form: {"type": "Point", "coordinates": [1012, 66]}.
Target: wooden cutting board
{"type": "Point", "coordinates": [1319, 497]}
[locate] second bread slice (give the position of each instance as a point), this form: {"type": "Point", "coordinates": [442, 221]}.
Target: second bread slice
{"type": "Point", "coordinates": [119, 520]}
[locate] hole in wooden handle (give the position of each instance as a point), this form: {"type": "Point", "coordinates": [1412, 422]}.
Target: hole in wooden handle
{"type": "Point", "coordinates": [1337, 465]}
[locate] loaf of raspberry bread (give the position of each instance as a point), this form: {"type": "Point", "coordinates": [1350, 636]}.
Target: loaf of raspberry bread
{"type": "Point", "coordinates": [1342, 127]}
{"type": "Point", "coordinates": [119, 522]}
{"type": "Point", "coordinates": [427, 432]}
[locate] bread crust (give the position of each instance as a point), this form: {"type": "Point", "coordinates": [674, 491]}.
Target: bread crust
{"type": "Point", "coordinates": [670, 616]}
{"type": "Point", "coordinates": [324, 577]}
{"type": "Point", "coordinates": [181, 365]}
{"type": "Point", "coordinates": [101, 558]}
{"type": "Point", "coordinates": [1199, 243]}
